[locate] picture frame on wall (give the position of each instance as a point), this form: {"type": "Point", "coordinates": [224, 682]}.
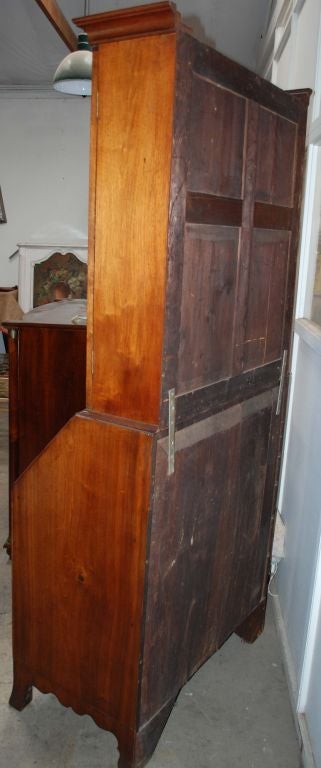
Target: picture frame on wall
{"type": "Point", "coordinates": [3, 217]}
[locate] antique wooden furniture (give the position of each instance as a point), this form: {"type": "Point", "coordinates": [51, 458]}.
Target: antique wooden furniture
{"type": "Point", "coordinates": [9, 308]}
{"type": "Point", "coordinates": [43, 264]}
{"type": "Point", "coordinates": [159, 497]}
{"type": "Point", "coordinates": [47, 374]}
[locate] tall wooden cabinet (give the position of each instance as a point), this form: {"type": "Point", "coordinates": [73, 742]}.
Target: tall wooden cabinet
{"type": "Point", "coordinates": [142, 533]}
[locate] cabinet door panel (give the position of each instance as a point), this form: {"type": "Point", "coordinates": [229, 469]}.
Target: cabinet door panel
{"type": "Point", "coordinates": [209, 286]}
{"type": "Point", "coordinates": [216, 161]}
{"type": "Point", "coordinates": [275, 156]}
{"type": "Point", "coordinates": [266, 297]}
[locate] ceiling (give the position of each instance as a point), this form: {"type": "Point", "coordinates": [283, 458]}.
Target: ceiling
{"type": "Point", "coordinates": [30, 49]}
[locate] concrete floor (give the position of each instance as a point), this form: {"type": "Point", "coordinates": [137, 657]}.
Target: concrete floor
{"type": "Point", "coordinates": [234, 712]}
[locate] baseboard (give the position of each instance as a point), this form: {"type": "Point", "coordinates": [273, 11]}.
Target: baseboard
{"type": "Point", "coordinates": [299, 719]}
{"type": "Point", "coordinates": [307, 754]}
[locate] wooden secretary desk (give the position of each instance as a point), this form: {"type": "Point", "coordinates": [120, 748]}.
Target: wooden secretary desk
{"type": "Point", "coordinates": [47, 362]}
{"type": "Point", "coordinates": [142, 532]}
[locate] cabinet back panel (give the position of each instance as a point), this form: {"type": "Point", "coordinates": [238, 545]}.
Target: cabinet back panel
{"type": "Point", "coordinates": [216, 154]}
{"type": "Point", "coordinates": [209, 538]}
{"type": "Point", "coordinates": [275, 156]}
{"type": "Point", "coordinates": [266, 297]}
{"type": "Point", "coordinates": [208, 298]}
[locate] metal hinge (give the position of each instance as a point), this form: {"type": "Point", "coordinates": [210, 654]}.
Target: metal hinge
{"type": "Point", "coordinates": [282, 380]}
{"type": "Point", "coordinates": [92, 362]}
{"type": "Point", "coordinates": [171, 431]}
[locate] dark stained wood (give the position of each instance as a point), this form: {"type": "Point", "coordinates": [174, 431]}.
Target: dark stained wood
{"type": "Point", "coordinates": [47, 386]}
{"type": "Point", "coordinates": [206, 543]}
{"type": "Point", "coordinates": [248, 84]}
{"type": "Point", "coordinates": [13, 408]}
{"type": "Point", "coordinates": [209, 287]}
{"type": "Point", "coordinates": [303, 95]}
{"type": "Point", "coordinates": [176, 223]}
{"type": "Point", "coordinates": [208, 209]}
{"type": "Point", "coordinates": [202, 402]}
{"type": "Point", "coordinates": [47, 378]}
{"type": "Point", "coordinates": [242, 294]}
{"type": "Point", "coordinates": [215, 160]}
{"type": "Point", "coordinates": [263, 338]}
{"type": "Point", "coordinates": [275, 155]}
{"type": "Point", "coordinates": [253, 626]}
{"type": "Point", "coordinates": [269, 216]}
{"type": "Point", "coordinates": [124, 23]}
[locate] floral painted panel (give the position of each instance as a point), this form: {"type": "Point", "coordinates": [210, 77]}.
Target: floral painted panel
{"type": "Point", "coordinates": [62, 276]}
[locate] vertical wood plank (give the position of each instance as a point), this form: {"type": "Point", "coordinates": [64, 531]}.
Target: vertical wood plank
{"type": "Point", "coordinates": [91, 229]}
{"type": "Point", "coordinates": [249, 179]}
{"type": "Point", "coordinates": [134, 142]}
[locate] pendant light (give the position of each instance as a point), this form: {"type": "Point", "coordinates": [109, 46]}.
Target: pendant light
{"type": "Point", "coordinates": [73, 75]}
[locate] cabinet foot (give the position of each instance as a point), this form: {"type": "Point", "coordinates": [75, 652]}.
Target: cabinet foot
{"type": "Point", "coordinates": [253, 626]}
{"type": "Point", "coordinates": [136, 751]}
{"type": "Point", "coordinates": [21, 693]}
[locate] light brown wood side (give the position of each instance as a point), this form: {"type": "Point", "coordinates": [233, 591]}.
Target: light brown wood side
{"type": "Point", "coordinates": [91, 229]}
{"type": "Point", "coordinates": [133, 161]}
{"type": "Point", "coordinates": [79, 548]}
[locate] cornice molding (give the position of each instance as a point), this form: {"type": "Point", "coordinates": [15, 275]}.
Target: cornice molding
{"type": "Point", "coordinates": [139, 21]}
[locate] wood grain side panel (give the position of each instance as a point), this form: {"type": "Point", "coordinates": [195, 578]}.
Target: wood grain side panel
{"type": "Point", "coordinates": [134, 142]}
{"type": "Point", "coordinates": [216, 140]}
{"type": "Point", "coordinates": [209, 282]}
{"type": "Point", "coordinates": [79, 541]}
{"type": "Point", "coordinates": [208, 545]}
{"type": "Point", "coordinates": [91, 231]}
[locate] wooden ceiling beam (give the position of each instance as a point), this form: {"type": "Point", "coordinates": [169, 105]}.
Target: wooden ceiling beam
{"type": "Point", "coordinates": [59, 22]}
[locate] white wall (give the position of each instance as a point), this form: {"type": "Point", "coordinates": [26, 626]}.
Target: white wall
{"type": "Point", "coordinates": [291, 55]}
{"type": "Point", "coordinates": [233, 26]}
{"type": "Point", "coordinates": [44, 157]}
{"type": "Point", "coordinates": [301, 504]}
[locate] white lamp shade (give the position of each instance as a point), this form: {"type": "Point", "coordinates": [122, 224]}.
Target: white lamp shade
{"type": "Point", "coordinates": [73, 75]}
